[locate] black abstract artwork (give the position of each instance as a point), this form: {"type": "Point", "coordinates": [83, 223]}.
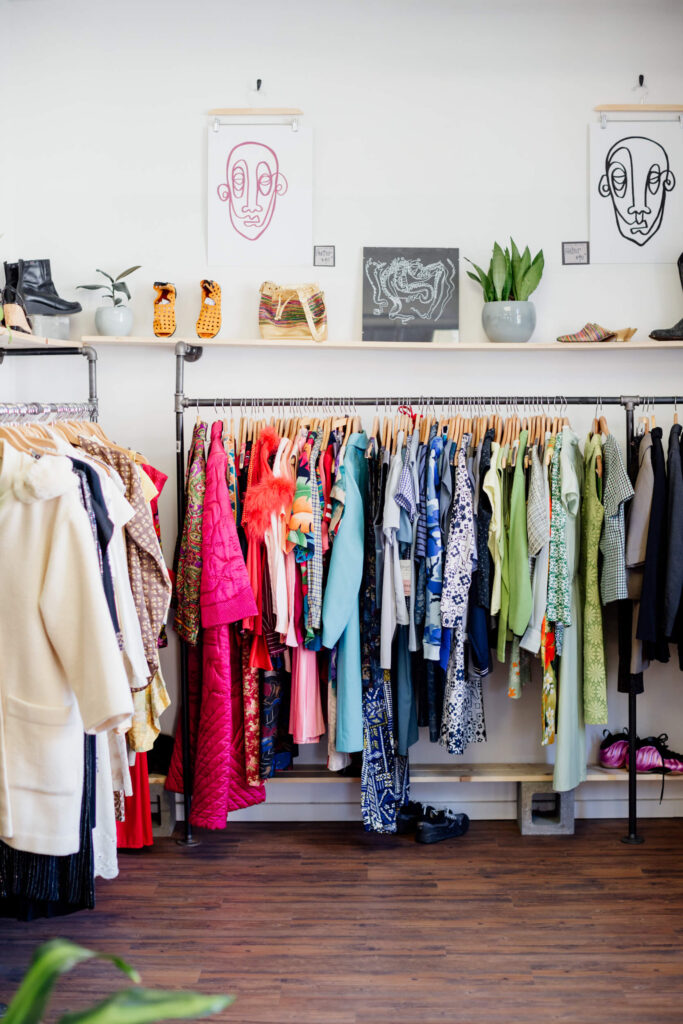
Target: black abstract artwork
{"type": "Point", "coordinates": [409, 293]}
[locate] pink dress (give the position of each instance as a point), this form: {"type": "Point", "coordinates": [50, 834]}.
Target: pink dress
{"type": "Point", "coordinates": [220, 779]}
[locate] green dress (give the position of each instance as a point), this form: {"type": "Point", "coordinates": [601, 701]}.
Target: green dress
{"type": "Point", "coordinates": [592, 515]}
{"type": "Point", "coordinates": [504, 453]}
{"type": "Point", "coordinates": [570, 757]}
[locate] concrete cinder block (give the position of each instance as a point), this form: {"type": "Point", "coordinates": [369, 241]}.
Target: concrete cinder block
{"type": "Point", "coordinates": [543, 812]}
{"type": "Point", "coordinates": [163, 807]}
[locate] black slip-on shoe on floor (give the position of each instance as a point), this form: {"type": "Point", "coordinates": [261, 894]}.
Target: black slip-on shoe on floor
{"type": "Point", "coordinates": [441, 825]}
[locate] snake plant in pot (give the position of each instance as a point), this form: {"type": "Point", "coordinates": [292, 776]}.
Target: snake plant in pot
{"type": "Point", "coordinates": [132, 1005]}
{"type": "Point", "coordinates": [508, 315]}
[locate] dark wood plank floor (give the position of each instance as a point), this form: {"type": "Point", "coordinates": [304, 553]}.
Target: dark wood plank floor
{"type": "Point", "coordinates": [323, 924]}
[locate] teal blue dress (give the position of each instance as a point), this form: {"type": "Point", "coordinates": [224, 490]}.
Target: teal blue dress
{"type": "Point", "coordinates": [341, 617]}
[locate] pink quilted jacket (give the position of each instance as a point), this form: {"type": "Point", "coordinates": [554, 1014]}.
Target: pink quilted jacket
{"type": "Point", "coordinates": [220, 783]}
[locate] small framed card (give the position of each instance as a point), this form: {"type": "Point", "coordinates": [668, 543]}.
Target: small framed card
{"type": "Point", "coordinates": [575, 253]}
{"type": "Point", "coordinates": [323, 255]}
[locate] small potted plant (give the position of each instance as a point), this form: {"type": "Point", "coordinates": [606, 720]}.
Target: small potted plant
{"type": "Point", "coordinates": [116, 319]}
{"type": "Point", "coordinates": [508, 316]}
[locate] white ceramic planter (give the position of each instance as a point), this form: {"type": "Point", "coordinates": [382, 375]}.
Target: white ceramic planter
{"type": "Point", "coordinates": [114, 320]}
{"type": "Point", "coordinates": [509, 322]}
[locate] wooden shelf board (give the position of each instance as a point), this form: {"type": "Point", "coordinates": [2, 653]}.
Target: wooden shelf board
{"type": "Point", "coordinates": [463, 773]}
{"type": "Point", "coordinates": [260, 111]}
{"type": "Point", "coordinates": [409, 346]}
{"type": "Point", "coordinates": [633, 108]}
{"type": "Point", "coordinates": [14, 339]}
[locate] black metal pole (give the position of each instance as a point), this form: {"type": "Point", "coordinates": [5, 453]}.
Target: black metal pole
{"type": "Point", "coordinates": [188, 839]}
{"type": "Point", "coordinates": [632, 838]}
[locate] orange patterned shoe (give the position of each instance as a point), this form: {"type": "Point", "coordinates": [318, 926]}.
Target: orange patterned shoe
{"type": "Point", "coordinates": [209, 322]}
{"type": "Point", "coordinates": [164, 309]}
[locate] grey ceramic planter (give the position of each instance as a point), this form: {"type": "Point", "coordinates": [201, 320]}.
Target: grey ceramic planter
{"type": "Point", "coordinates": [114, 320]}
{"type": "Point", "coordinates": [509, 322]}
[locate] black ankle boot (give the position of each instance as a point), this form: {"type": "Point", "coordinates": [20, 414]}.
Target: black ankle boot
{"type": "Point", "coordinates": [39, 293]}
{"type": "Point", "coordinates": [674, 333]}
{"type": "Point", "coordinates": [11, 281]}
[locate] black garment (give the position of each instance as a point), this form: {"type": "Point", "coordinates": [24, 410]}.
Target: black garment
{"type": "Point", "coordinates": [484, 513]}
{"type": "Point", "coordinates": [651, 619]}
{"type": "Point", "coordinates": [436, 684]}
{"type": "Point", "coordinates": [627, 682]}
{"type": "Point", "coordinates": [105, 532]}
{"type": "Point", "coordinates": [674, 567]}
{"type": "Point", "coordinates": [34, 885]}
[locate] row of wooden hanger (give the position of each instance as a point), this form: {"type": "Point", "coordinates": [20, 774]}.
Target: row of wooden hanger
{"type": "Point", "coordinates": [540, 424]}
{"type": "Point", "coordinates": [39, 436]}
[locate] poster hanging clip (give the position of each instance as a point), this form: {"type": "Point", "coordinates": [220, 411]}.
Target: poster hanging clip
{"type": "Point", "coordinates": [603, 120]}
{"type": "Point", "coordinates": [295, 124]}
{"type": "Point", "coordinates": [216, 124]}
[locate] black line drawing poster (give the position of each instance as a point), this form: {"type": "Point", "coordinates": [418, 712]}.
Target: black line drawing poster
{"type": "Point", "coordinates": [409, 294]}
{"type": "Point", "coordinates": [636, 192]}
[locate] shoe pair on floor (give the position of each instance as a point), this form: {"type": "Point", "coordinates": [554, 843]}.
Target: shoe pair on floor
{"type": "Point", "coordinates": [209, 321]}
{"type": "Point", "coordinates": [652, 753]}
{"type": "Point", "coordinates": [430, 825]}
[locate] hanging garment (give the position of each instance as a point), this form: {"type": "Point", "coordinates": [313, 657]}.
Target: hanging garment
{"type": "Point", "coordinates": [463, 708]}
{"type": "Point", "coordinates": [136, 830]}
{"type": "Point", "coordinates": [149, 579]}
{"type": "Point", "coordinates": [520, 605]}
{"type": "Point", "coordinates": [378, 774]}
{"type": "Point", "coordinates": [617, 491]}
{"type": "Point", "coordinates": [674, 557]}
{"type": "Point", "coordinates": [538, 533]}
{"type": "Point", "coordinates": [394, 606]}
{"type": "Point", "coordinates": [558, 607]}
{"type": "Point", "coordinates": [219, 772]}
{"type": "Point", "coordinates": [34, 885]}
{"type": "Point", "coordinates": [570, 755]}
{"type": "Point", "coordinates": [341, 622]}
{"type": "Point", "coordinates": [592, 514]}
{"type": "Point", "coordinates": [503, 632]}
{"type": "Point", "coordinates": [651, 625]}
{"type": "Point", "coordinates": [637, 527]}
{"type": "Point", "coordinates": [434, 561]}
{"type": "Point", "coordinates": [492, 490]}
{"type": "Point", "coordinates": [56, 680]}
{"type": "Point", "coordinates": [484, 514]}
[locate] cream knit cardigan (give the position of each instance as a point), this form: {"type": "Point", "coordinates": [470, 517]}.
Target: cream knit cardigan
{"type": "Point", "coordinates": [60, 667]}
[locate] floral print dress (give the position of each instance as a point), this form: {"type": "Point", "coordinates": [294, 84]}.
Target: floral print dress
{"type": "Point", "coordinates": [463, 709]}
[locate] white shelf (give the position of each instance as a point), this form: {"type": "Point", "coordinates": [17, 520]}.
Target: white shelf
{"type": "Point", "coordinates": [438, 346]}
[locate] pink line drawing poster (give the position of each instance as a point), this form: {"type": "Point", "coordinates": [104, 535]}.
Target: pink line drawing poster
{"type": "Point", "coordinates": [260, 195]}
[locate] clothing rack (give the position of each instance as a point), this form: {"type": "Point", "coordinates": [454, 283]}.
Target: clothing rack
{"type": "Point", "coordinates": [191, 353]}
{"type": "Point", "coordinates": [89, 353]}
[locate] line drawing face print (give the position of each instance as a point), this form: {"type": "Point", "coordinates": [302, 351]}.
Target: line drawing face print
{"type": "Point", "coordinates": [405, 289]}
{"type": "Point", "coordinates": [637, 177]}
{"type": "Point", "coordinates": [254, 181]}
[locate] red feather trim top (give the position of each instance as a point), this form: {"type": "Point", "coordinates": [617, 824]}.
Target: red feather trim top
{"type": "Point", "coordinates": [271, 495]}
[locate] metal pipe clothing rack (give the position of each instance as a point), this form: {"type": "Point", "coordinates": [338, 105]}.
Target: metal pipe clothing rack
{"type": "Point", "coordinates": [191, 353]}
{"type": "Point", "coordinates": [86, 351]}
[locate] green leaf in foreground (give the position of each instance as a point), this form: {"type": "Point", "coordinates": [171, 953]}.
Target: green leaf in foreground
{"type": "Point", "coordinates": [49, 962]}
{"type": "Point", "coordinates": [144, 1006]}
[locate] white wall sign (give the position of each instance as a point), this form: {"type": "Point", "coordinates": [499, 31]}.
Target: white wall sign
{"type": "Point", "coordinates": [636, 192]}
{"type": "Point", "coordinates": [260, 198]}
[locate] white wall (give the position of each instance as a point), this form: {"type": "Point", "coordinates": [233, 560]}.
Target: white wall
{"type": "Point", "coordinates": [439, 122]}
